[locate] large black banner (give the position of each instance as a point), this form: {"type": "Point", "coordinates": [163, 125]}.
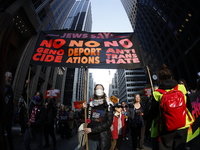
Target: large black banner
{"type": "Point", "coordinates": [75, 49]}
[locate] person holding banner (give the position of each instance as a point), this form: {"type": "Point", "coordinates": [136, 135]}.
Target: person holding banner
{"type": "Point", "coordinates": [100, 118]}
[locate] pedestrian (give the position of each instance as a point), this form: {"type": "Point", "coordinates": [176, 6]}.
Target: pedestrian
{"type": "Point", "coordinates": [99, 119]}
{"type": "Point", "coordinates": [49, 123]}
{"type": "Point", "coordinates": [22, 115]}
{"type": "Point", "coordinates": [125, 112]}
{"type": "Point", "coordinates": [118, 127]}
{"type": "Point", "coordinates": [136, 122]}
{"type": "Point", "coordinates": [9, 110]}
{"type": "Point", "coordinates": [35, 123]}
{"type": "Point", "coordinates": [58, 108]}
{"type": "Point", "coordinates": [182, 81]}
{"type": "Point", "coordinates": [168, 139]}
{"type": "Point", "coordinates": [71, 121]}
{"type": "Point", "coordinates": [63, 122]}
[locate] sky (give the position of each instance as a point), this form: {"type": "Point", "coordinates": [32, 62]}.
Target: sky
{"type": "Point", "coordinates": [108, 16]}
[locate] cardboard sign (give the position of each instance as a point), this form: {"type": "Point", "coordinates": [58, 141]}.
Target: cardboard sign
{"type": "Point", "coordinates": [114, 99]}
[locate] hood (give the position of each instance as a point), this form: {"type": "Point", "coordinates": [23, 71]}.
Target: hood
{"type": "Point", "coordinates": [168, 84]}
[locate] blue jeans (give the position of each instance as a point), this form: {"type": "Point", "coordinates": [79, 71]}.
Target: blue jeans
{"type": "Point", "coordinates": [93, 145]}
{"type": "Point", "coordinates": [37, 134]}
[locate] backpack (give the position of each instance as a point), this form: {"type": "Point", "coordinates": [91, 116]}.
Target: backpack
{"type": "Point", "coordinates": [173, 109]}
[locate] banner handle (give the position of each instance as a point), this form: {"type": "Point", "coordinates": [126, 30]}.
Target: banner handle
{"type": "Point", "coordinates": [151, 83]}
{"type": "Point", "coordinates": [28, 91]}
{"type": "Point", "coordinates": [85, 109]}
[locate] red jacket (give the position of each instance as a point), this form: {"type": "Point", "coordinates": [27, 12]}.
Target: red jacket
{"type": "Point", "coordinates": [114, 127]}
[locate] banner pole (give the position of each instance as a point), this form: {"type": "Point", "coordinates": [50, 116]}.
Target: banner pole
{"type": "Point", "coordinates": [151, 83]}
{"type": "Point", "coordinates": [28, 91]}
{"type": "Point", "coordinates": [85, 109]}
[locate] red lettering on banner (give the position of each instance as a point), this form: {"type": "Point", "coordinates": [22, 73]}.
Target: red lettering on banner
{"type": "Point", "coordinates": [110, 50]}
{"type": "Point", "coordinates": [49, 58]}
{"type": "Point", "coordinates": [58, 43]}
{"type": "Point", "coordinates": [121, 56]}
{"type": "Point", "coordinates": [136, 60]}
{"type": "Point", "coordinates": [110, 61]}
{"type": "Point", "coordinates": [121, 61]}
{"type": "Point", "coordinates": [46, 43]}
{"type": "Point", "coordinates": [119, 51]}
{"type": "Point", "coordinates": [126, 43]}
{"type": "Point", "coordinates": [35, 57]}
{"type": "Point", "coordinates": [111, 43]}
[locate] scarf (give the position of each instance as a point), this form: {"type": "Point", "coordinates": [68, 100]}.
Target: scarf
{"type": "Point", "coordinates": [96, 102]}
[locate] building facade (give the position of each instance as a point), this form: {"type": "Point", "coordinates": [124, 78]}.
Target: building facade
{"type": "Point", "coordinates": [79, 19]}
{"type": "Point", "coordinates": [27, 19]}
{"type": "Point", "coordinates": [113, 87]}
{"type": "Point", "coordinates": [131, 82]}
{"type": "Point", "coordinates": [169, 33]}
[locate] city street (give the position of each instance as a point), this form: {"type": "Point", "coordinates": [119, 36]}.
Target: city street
{"type": "Point", "coordinates": [62, 144]}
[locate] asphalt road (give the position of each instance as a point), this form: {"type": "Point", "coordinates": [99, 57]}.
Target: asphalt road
{"type": "Point", "coordinates": [64, 144]}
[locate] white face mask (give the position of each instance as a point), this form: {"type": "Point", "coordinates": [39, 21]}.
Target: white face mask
{"type": "Point", "coordinates": [99, 92]}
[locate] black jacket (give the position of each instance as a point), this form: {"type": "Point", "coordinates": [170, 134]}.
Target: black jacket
{"type": "Point", "coordinates": [131, 115]}
{"type": "Point", "coordinates": [104, 128]}
{"type": "Point", "coordinates": [40, 116]}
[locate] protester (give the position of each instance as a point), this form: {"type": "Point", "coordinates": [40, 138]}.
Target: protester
{"type": "Point", "coordinates": [182, 81]}
{"type": "Point", "coordinates": [125, 111]}
{"type": "Point", "coordinates": [118, 127]}
{"type": "Point", "coordinates": [36, 119]}
{"type": "Point", "coordinates": [63, 122]}
{"type": "Point", "coordinates": [71, 121]}
{"type": "Point", "coordinates": [9, 109]}
{"type": "Point", "coordinates": [136, 122]}
{"type": "Point", "coordinates": [100, 118]}
{"type": "Point", "coordinates": [6, 26]}
{"type": "Point", "coordinates": [22, 115]}
{"type": "Point", "coordinates": [168, 140]}
{"type": "Point", "coordinates": [49, 124]}
{"type": "Point", "coordinates": [58, 108]}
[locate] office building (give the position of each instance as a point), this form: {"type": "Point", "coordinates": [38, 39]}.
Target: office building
{"type": "Point", "coordinates": [131, 82]}
{"type": "Point", "coordinates": [28, 18]}
{"type": "Point", "coordinates": [169, 33]}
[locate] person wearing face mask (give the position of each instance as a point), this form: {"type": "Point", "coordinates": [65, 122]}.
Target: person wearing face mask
{"type": "Point", "coordinates": [99, 119]}
{"type": "Point", "coordinates": [36, 120]}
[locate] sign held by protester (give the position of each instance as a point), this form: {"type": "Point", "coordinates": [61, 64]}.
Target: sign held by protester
{"type": "Point", "coordinates": [78, 104]}
{"type": "Point", "coordinates": [114, 99]}
{"type": "Point", "coordinates": [75, 49]}
{"type": "Point", "coordinates": [53, 93]}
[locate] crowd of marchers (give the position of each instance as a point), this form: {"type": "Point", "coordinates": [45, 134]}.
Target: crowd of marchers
{"type": "Point", "coordinates": [108, 124]}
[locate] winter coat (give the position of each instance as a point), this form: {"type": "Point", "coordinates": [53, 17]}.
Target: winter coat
{"type": "Point", "coordinates": [40, 116]}
{"type": "Point", "coordinates": [103, 127]}
{"type": "Point", "coordinates": [114, 127]}
{"type": "Point", "coordinates": [131, 116]}
{"type": "Point", "coordinates": [167, 85]}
